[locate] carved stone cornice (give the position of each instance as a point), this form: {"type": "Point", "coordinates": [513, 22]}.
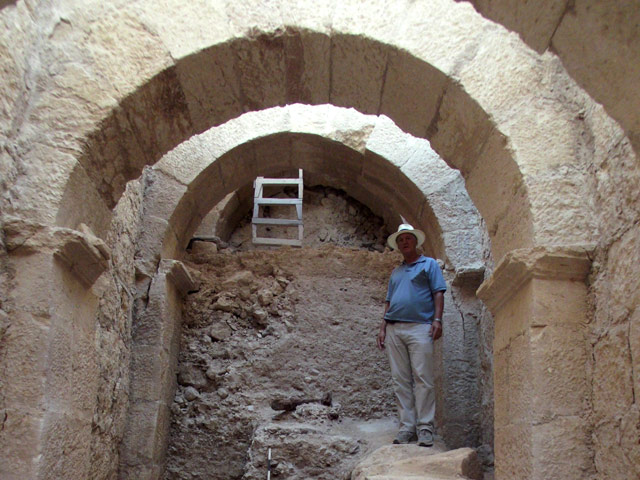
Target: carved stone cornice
{"type": "Point", "coordinates": [545, 262]}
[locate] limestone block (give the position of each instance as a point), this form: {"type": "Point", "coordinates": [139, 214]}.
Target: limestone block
{"type": "Point", "coordinates": [151, 374]}
{"type": "Point", "coordinates": [392, 183]}
{"type": "Point", "coordinates": [380, 17]}
{"type": "Point", "coordinates": [274, 157]}
{"type": "Point", "coordinates": [566, 219]}
{"type": "Point", "coordinates": [145, 436]}
{"type": "Point", "coordinates": [12, 65]}
{"type": "Point", "coordinates": [515, 78]}
{"type": "Point", "coordinates": [623, 257]}
{"type": "Point", "coordinates": [150, 242]}
{"type": "Point", "coordinates": [564, 444]}
{"type": "Point", "coordinates": [616, 455]}
{"type": "Point", "coordinates": [187, 160]}
{"type": "Point", "coordinates": [85, 255]}
{"type": "Point", "coordinates": [357, 73]}
{"type": "Point", "coordinates": [410, 461]}
{"type": "Point", "coordinates": [72, 373]}
{"type": "Point", "coordinates": [307, 63]}
{"type": "Point", "coordinates": [24, 361]}
{"type": "Point", "coordinates": [161, 193]}
{"type": "Point", "coordinates": [601, 52]}
{"type": "Point", "coordinates": [81, 202]}
{"type": "Point", "coordinates": [634, 347]}
{"type": "Point", "coordinates": [313, 155]}
{"type": "Point", "coordinates": [512, 320]}
{"type": "Point", "coordinates": [158, 324]}
{"type": "Point", "coordinates": [262, 16]}
{"type": "Point", "coordinates": [70, 433]}
{"type": "Point", "coordinates": [307, 15]}
{"type": "Point", "coordinates": [521, 394]}
{"type": "Point", "coordinates": [141, 472]}
{"type": "Point", "coordinates": [123, 49]}
{"type": "Point", "coordinates": [512, 449]}
{"type": "Point", "coordinates": [186, 29]}
{"type": "Point", "coordinates": [427, 32]}
{"type": "Point", "coordinates": [178, 275]}
{"type": "Point", "coordinates": [559, 303]}
{"type": "Point", "coordinates": [435, 244]}
{"type": "Point", "coordinates": [212, 89]}
{"type": "Point", "coordinates": [412, 104]}
{"type": "Point", "coordinates": [612, 386]}
{"type": "Point", "coordinates": [519, 266]}
{"type": "Point", "coordinates": [261, 69]}
{"type": "Point", "coordinates": [40, 187]}
{"type": "Point", "coordinates": [21, 430]}
{"type": "Point", "coordinates": [502, 392]}
{"type": "Point", "coordinates": [391, 143]}
{"type": "Point", "coordinates": [431, 174]}
{"type": "Point", "coordinates": [557, 380]}
{"type": "Point", "coordinates": [185, 219]}
{"type": "Point", "coordinates": [535, 22]}
{"type": "Point", "coordinates": [494, 183]}
{"type": "Point", "coordinates": [461, 128]}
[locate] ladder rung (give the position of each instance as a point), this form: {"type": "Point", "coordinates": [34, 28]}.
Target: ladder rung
{"type": "Point", "coordinates": [278, 201]}
{"type": "Point", "coordinates": [278, 241]}
{"type": "Point", "coordinates": [275, 221]}
{"type": "Point", "coordinates": [279, 181]}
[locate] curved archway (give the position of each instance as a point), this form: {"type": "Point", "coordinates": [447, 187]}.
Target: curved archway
{"type": "Point", "coordinates": [342, 148]}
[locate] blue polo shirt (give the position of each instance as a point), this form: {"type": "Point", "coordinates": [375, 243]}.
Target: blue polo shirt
{"type": "Point", "coordinates": [411, 289]}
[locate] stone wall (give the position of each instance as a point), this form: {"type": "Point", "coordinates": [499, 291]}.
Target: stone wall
{"type": "Point", "coordinates": [614, 323]}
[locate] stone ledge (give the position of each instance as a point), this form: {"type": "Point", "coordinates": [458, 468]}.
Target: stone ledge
{"type": "Point", "coordinates": [80, 251]}
{"type": "Point", "coordinates": [177, 274]}
{"type": "Point", "coordinates": [519, 266]}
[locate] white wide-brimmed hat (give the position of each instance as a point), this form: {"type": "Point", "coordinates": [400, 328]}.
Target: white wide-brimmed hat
{"type": "Point", "coordinates": [406, 228]}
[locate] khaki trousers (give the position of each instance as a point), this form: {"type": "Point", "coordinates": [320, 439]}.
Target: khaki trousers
{"type": "Point", "coordinates": [410, 350]}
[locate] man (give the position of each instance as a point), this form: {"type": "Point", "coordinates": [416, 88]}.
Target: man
{"type": "Point", "coordinates": [412, 321]}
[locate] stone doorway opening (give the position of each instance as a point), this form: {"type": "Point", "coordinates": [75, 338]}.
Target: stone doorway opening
{"type": "Point", "coordinates": [269, 325]}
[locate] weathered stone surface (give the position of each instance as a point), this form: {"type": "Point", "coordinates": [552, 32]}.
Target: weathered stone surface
{"type": "Point", "coordinates": [410, 461]}
{"type": "Point", "coordinates": [536, 23]}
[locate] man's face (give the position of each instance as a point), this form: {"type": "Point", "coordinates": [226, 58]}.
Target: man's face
{"type": "Point", "coordinates": [406, 242]}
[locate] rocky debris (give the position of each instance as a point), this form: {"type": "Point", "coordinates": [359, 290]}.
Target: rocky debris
{"type": "Point", "coordinates": [255, 332]}
{"type": "Point", "coordinates": [290, 404]}
{"type": "Point", "coordinates": [399, 462]}
{"type": "Point", "coordinates": [300, 451]}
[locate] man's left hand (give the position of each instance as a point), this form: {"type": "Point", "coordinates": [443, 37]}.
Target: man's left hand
{"type": "Point", "coordinates": [436, 330]}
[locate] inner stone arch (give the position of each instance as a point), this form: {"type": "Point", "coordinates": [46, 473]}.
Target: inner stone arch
{"type": "Point", "coordinates": [334, 161]}
{"type": "Point", "coordinates": [478, 148]}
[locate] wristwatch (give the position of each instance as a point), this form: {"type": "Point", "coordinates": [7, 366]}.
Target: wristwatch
{"type": "Point", "coordinates": [437, 320]}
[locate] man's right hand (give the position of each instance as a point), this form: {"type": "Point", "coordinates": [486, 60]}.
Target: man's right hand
{"type": "Point", "coordinates": [382, 334]}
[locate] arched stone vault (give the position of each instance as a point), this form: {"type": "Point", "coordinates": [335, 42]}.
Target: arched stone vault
{"type": "Point", "coordinates": [469, 113]}
{"type": "Point", "coordinates": [341, 148]}
{"type": "Point", "coordinates": [126, 82]}
{"type": "Point", "coordinates": [348, 150]}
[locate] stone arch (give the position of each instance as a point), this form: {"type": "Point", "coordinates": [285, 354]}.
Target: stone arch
{"type": "Point", "coordinates": [477, 135]}
{"type": "Point", "coordinates": [341, 148]}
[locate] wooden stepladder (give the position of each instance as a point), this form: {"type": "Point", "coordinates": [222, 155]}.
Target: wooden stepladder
{"type": "Point", "coordinates": [260, 200]}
